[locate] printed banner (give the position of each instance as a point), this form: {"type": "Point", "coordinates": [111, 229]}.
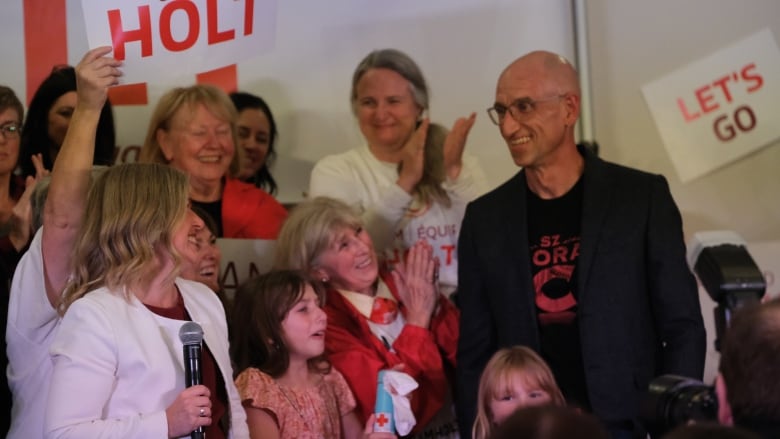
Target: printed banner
{"type": "Point", "coordinates": [719, 108]}
{"type": "Point", "coordinates": [173, 38]}
{"type": "Point", "coordinates": [242, 259]}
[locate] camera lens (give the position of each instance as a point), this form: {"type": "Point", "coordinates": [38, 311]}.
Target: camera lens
{"type": "Point", "coordinates": [674, 400]}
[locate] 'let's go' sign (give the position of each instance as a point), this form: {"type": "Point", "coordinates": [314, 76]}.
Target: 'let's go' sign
{"type": "Point", "coordinates": [168, 39]}
{"type": "Point", "coordinates": [719, 108]}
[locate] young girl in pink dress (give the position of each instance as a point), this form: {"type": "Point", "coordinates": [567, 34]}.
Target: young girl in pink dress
{"type": "Point", "coordinates": [287, 386]}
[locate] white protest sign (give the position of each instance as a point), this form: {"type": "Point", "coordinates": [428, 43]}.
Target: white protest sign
{"type": "Point", "coordinates": [719, 108]}
{"type": "Point", "coordinates": [242, 259]}
{"type": "Point", "coordinates": [178, 38]}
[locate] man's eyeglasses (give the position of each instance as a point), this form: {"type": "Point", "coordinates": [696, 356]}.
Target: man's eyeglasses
{"type": "Point", "coordinates": [517, 109]}
{"type": "Point", "coordinates": [11, 130]}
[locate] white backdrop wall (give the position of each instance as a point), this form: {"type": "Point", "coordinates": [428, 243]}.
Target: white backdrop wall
{"type": "Point", "coordinates": [461, 46]}
{"type": "Point", "coordinates": [633, 42]}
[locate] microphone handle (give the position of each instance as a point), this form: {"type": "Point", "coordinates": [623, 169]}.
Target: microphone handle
{"type": "Point", "coordinates": [193, 375]}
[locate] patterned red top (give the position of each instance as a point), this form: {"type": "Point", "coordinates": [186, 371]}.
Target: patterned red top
{"type": "Point", "coordinates": [300, 412]}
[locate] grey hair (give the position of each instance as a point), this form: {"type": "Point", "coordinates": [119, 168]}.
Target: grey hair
{"type": "Point", "coordinates": [398, 62]}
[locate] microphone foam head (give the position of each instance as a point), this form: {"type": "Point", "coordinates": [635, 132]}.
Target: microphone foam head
{"type": "Point", "coordinates": [190, 333]}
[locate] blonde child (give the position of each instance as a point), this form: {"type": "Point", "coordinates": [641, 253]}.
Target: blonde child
{"type": "Point", "coordinates": [287, 387]}
{"type": "Point", "coordinates": [513, 378]}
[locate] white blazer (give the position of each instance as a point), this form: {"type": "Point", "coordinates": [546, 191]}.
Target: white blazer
{"type": "Point", "coordinates": [118, 366]}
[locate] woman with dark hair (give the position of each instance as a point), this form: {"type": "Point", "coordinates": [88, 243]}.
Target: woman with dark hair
{"type": "Point", "coordinates": [48, 118]}
{"type": "Point", "coordinates": [287, 385]}
{"type": "Point", "coordinates": [11, 186]}
{"type": "Point", "coordinates": [256, 137]}
{"type": "Point", "coordinates": [15, 190]}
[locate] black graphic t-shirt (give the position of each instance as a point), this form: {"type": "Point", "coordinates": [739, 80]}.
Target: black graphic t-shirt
{"type": "Point", "coordinates": [554, 239]}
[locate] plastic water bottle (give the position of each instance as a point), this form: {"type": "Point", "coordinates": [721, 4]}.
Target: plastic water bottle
{"type": "Point", "coordinates": [383, 408]}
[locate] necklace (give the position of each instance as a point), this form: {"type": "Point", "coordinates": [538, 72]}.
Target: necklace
{"type": "Point", "coordinates": [299, 411]}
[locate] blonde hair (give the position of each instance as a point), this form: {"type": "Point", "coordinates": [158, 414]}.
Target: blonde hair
{"type": "Point", "coordinates": [310, 229]}
{"type": "Point", "coordinates": [216, 101]}
{"type": "Point", "coordinates": [429, 189]}
{"type": "Point", "coordinates": [496, 376]}
{"type": "Point", "coordinates": [130, 215]}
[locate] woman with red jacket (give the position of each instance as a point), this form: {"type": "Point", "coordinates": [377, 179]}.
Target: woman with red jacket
{"type": "Point", "coordinates": [378, 318]}
{"type": "Point", "coordinates": [193, 129]}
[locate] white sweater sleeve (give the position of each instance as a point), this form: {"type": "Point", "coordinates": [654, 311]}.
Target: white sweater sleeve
{"type": "Point", "coordinates": [470, 184]}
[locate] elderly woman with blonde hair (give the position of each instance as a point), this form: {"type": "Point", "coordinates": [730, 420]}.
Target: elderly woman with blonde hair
{"type": "Point", "coordinates": [193, 129]}
{"type": "Point", "coordinates": [378, 318]}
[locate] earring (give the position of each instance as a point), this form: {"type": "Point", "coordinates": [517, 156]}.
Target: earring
{"type": "Point", "coordinates": [324, 279]}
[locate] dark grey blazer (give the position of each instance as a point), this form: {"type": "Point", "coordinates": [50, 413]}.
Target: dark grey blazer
{"type": "Point", "coordinates": [639, 312]}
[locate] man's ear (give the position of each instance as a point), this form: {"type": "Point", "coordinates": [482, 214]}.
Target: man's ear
{"type": "Point", "coordinates": [724, 409]}
{"type": "Point", "coordinates": [572, 104]}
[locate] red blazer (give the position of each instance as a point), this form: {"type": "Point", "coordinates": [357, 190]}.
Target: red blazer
{"type": "Point", "coordinates": [249, 212]}
{"type": "Point", "coordinates": [359, 355]}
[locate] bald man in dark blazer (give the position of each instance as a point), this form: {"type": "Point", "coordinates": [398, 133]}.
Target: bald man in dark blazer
{"type": "Point", "coordinates": [580, 259]}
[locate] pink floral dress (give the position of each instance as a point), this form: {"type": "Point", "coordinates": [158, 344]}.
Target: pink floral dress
{"type": "Point", "coordinates": [301, 413]}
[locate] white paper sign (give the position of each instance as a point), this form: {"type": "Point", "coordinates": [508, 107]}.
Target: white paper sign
{"type": "Point", "coordinates": [719, 108]}
{"type": "Point", "coordinates": [242, 259]}
{"type": "Point", "coordinates": [179, 38]}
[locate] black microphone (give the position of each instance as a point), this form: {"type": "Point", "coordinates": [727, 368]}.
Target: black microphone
{"type": "Point", "coordinates": [191, 336]}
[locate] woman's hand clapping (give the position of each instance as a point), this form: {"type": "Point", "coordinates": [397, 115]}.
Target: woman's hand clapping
{"type": "Point", "coordinates": [416, 282]}
{"type": "Point", "coordinates": [455, 143]}
{"type": "Point", "coordinates": [21, 214]}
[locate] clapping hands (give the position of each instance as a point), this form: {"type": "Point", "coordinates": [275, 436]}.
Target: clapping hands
{"type": "Point", "coordinates": [415, 279]}
{"type": "Point", "coordinates": [21, 215]}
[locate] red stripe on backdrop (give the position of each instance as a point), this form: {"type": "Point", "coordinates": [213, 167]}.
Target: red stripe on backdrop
{"type": "Point", "coordinates": [129, 94]}
{"type": "Point", "coordinates": [225, 78]}
{"type": "Point", "coordinates": [45, 40]}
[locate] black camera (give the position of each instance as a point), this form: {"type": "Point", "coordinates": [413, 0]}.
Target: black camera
{"type": "Point", "coordinates": [728, 274]}
{"type": "Point", "coordinates": [674, 400]}
{"type": "Point", "coordinates": [733, 280]}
